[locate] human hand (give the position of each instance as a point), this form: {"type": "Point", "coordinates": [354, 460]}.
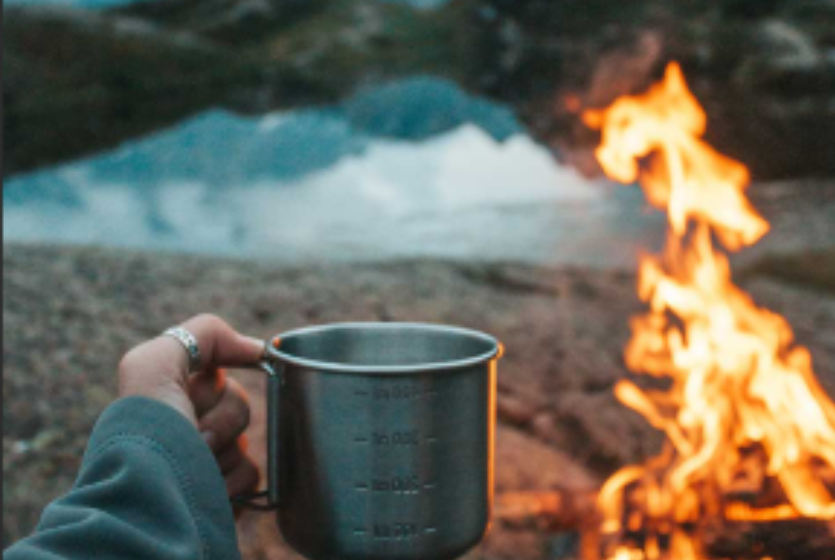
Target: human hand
{"type": "Point", "coordinates": [216, 405]}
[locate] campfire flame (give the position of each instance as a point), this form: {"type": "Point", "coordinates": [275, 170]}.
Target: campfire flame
{"type": "Point", "coordinates": [738, 399]}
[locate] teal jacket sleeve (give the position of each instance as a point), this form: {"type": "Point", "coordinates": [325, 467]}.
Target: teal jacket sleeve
{"type": "Point", "coordinates": [149, 488]}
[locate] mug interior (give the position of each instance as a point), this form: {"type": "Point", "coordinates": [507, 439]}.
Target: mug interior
{"type": "Point", "coordinates": [384, 346]}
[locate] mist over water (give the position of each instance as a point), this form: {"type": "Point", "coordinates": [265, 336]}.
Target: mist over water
{"type": "Point", "coordinates": [413, 169]}
{"type": "Point", "coordinates": [460, 195]}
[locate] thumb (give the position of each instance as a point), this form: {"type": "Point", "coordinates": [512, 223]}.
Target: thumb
{"type": "Point", "coordinates": [222, 346]}
{"type": "Point", "coordinates": [160, 368]}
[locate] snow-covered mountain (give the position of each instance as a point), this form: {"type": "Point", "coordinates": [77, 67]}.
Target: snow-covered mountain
{"type": "Point", "coordinates": [412, 169]}
{"type": "Point", "coordinates": [224, 151]}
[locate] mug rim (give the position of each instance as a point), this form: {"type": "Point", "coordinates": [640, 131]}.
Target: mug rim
{"type": "Point", "coordinates": [274, 349]}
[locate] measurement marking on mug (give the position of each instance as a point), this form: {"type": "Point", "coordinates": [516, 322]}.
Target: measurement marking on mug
{"type": "Point", "coordinates": [361, 486]}
{"type": "Point", "coordinates": [361, 393]}
{"type": "Point", "coordinates": [360, 439]}
{"type": "Point", "coordinates": [401, 392]}
{"type": "Point", "coordinates": [429, 486]}
{"type": "Point", "coordinates": [397, 485]}
{"type": "Point", "coordinates": [396, 531]}
{"type": "Point", "coordinates": [410, 437]}
{"type": "Point", "coordinates": [431, 439]}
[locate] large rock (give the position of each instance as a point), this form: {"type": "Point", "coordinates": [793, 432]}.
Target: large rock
{"type": "Point", "coordinates": [764, 71]}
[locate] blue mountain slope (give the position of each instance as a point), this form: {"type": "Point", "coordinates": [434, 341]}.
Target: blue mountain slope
{"type": "Point", "coordinates": [217, 149]}
{"type": "Point", "coordinates": [225, 151]}
{"type": "Point", "coordinates": [313, 184]}
{"type": "Point", "coordinates": [421, 107]}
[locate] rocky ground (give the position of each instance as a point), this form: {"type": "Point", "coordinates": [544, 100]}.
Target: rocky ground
{"type": "Point", "coordinates": [69, 314]}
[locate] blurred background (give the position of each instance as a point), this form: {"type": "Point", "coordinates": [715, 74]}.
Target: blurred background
{"type": "Point", "coordinates": [379, 159]}
{"type": "Point", "coordinates": [357, 129]}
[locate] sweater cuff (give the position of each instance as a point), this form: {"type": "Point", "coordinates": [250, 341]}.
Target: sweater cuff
{"type": "Point", "coordinates": [147, 418]}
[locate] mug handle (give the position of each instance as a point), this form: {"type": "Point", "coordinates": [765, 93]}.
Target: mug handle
{"type": "Point", "coordinates": [250, 500]}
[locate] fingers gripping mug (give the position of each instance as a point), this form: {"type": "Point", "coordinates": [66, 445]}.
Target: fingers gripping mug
{"type": "Point", "coordinates": [380, 439]}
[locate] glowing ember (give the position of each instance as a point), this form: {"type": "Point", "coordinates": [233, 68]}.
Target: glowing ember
{"type": "Point", "coordinates": [741, 402]}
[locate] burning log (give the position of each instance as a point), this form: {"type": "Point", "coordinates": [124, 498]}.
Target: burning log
{"type": "Point", "coordinates": [559, 511]}
{"type": "Point", "coordinates": [553, 511]}
{"type": "Point", "coordinates": [792, 539]}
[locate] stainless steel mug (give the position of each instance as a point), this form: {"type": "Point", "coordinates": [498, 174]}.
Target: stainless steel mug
{"type": "Point", "coordinates": [380, 439]}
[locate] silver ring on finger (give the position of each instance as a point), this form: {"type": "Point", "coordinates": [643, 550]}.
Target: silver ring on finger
{"type": "Point", "coordinates": [189, 342]}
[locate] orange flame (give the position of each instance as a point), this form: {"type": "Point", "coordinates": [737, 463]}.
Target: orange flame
{"type": "Point", "coordinates": [736, 380]}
